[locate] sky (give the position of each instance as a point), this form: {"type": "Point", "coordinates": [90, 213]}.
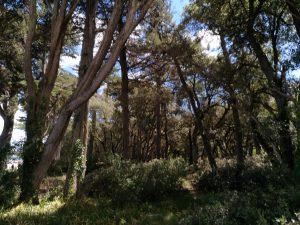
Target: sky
{"type": "Point", "coordinates": [177, 7]}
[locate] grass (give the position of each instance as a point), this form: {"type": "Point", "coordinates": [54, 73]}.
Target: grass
{"type": "Point", "coordinates": [98, 211]}
{"type": "Point", "coordinates": [175, 209]}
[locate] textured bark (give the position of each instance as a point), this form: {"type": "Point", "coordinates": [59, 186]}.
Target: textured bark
{"type": "Point", "coordinates": [97, 72]}
{"type": "Point", "coordinates": [80, 122]}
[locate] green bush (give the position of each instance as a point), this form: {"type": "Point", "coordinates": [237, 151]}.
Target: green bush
{"type": "Point", "coordinates": [259, 207]}
{"type": "Point", "coordinates": [8, 188]}
{"type": "Point", "coordinates": [251, 177]}
{"type": "Point", "coordinates": [125, 181]}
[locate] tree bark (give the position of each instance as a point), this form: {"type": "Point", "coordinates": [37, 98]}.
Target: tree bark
{"type": "Point", "coordinates": [125, 104]}
{"type": "Point", "coordinates": [80, 122]}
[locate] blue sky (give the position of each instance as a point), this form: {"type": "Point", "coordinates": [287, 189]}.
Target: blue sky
{"type": "Point", "coordinates": [177, 7]}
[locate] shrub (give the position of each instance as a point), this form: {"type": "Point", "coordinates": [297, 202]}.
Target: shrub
{"type": "Point", "coordinates": [260, 207]}
{"type": "Point", "coordinates": [123, 181]}
{"type": "Point", "coordinates": [251, 177]}
{"type": "Point", "coordinates": [8, 188]}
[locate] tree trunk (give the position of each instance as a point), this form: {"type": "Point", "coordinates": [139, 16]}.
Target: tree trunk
{"type": "Point", "coordinates": [195, 144]}
{"type": "Point", "coordinates": [124, 103]}
{"type": "Point", "coordinates": [190, 146]}
{"type": "Point", "coordinates": [38, 96]}
{"type": "Point", "coordinates": [35, 130]}
{"type": "Point", "coordinates": [90, 148]}
{"type": "Point", "coordinates": [80, 122]}
{"type": "Point", "coordinates": [5, 138]}
{"type": "Point", "coordinates": [158, 118]}
{"type": "Point", "coordinates": [238, 136]}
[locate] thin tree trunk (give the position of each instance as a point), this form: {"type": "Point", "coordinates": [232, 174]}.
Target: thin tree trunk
{"type": "Point", "coordinates": [80, 124]}
{"type": "Point", "coordinates": [238, 135]}
{"type": "Point", "coordinates": [124, 103]}
{"type": "Point", "coordinates": [158, 118]}
{"type": "Point", "coordinates": [90, 148]}
{"type": "Point", "coordinates": [190, 146]}
{"type": "Point", "coordinates": [195, 144]}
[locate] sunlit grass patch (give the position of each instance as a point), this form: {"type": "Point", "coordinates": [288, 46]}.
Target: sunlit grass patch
{"type": "Point", "coordinates": [29, 214]}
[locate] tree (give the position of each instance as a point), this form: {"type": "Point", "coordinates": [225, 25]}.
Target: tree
{"type": "Point", "coordinates": [38, 96]}
{"type": "Point", "coordinates": [11, 76]}
{"type": "Point", "coordinates": [257, 26]}
{"type": "Point", "coordinates": [80, 124]}
{"type": "Point", "coordinates": [99, 69]}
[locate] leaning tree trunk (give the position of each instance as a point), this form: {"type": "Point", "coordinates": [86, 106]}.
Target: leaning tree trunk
{"type": "Point", "coordinates": [80, 124]}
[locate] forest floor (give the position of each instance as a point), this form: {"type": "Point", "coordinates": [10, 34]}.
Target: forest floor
{"type": "Point", "coordinates": [176, 208]}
